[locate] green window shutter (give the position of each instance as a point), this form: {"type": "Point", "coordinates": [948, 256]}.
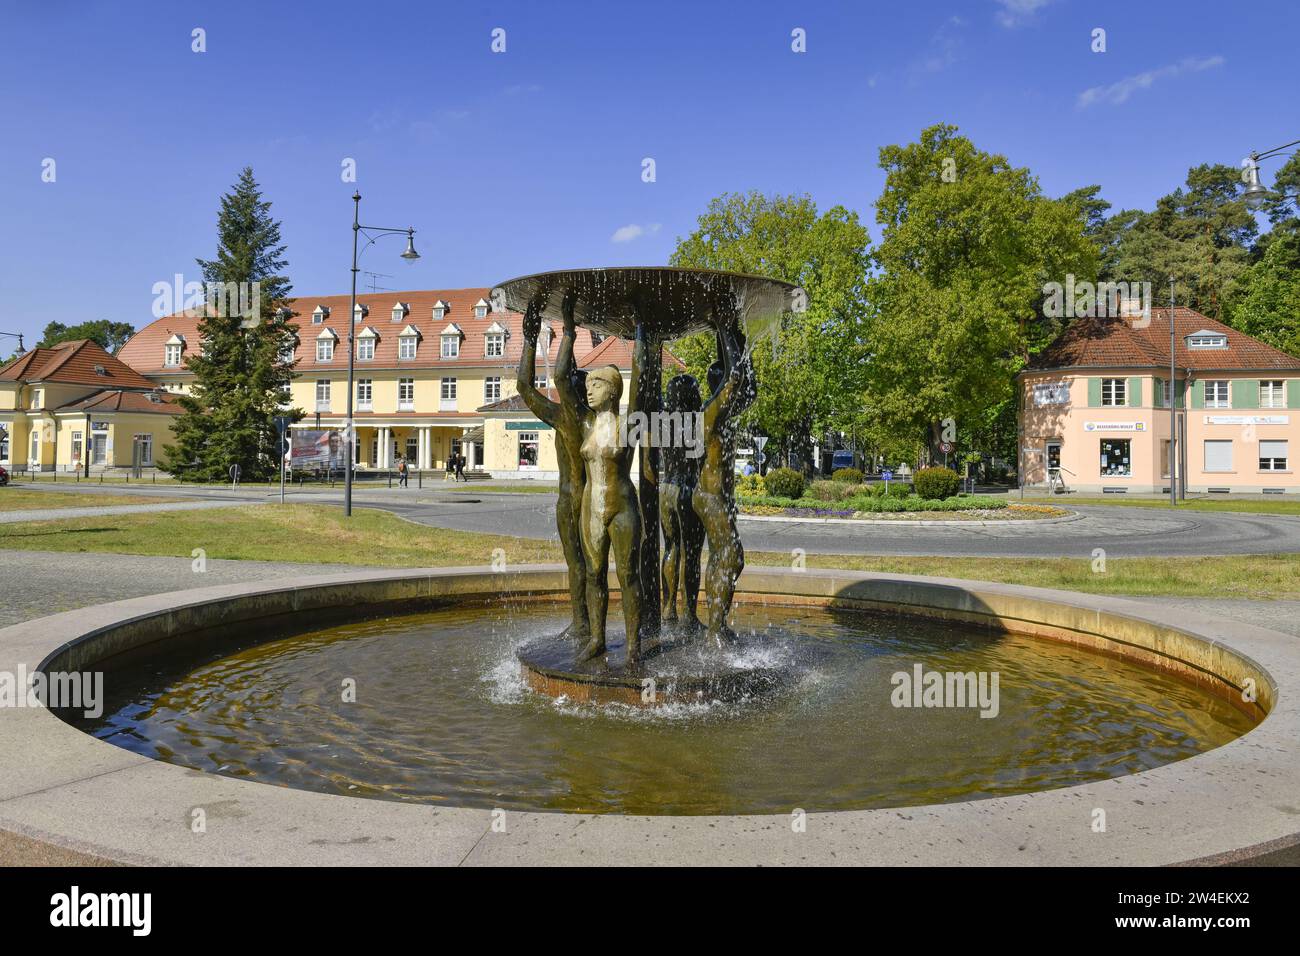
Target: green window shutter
{"type": "Point", "coordinates": [1245, 393]}
{"type": "Point", "coordinates": [1293, 393]}
{"type": "Point", "coordinates": [1094, 393]}
{"type": "Point", "coordinates": [1198, 393]}
{"type": "Point", "coordinates": [1134, 392]}
{"type": "Point", "coordinates": [1158, 399]}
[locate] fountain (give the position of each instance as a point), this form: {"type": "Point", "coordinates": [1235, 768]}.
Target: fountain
{"type": "Point", "coordinates": [688, 439]}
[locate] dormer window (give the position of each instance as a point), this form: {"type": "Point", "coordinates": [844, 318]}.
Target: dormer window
{"type": "Point", "coordinates": [319, 315]}
{"type": "Point", "coordinates": [494, 341]}
{"type": "Point", "coordinates": [408, 342]}
{"type": "Point", "coordinates": [1206, 339]}
{"type": "Point", "coordinates": [360, 313]}
{"type": "Point", "coordinates": [366, 339]}
{"type": "Point", "coordinates": [400, 311]}
{"type": "Point", "coordinates": [325, 346]}
{"type": "Point", "coordinates": [173, 350]}
{"type": "Point", "coordinates": [440, 310]}
{"type": "Point", "coordinates": [481, 309]}
{"type": "Point", "coordinates": [451, 341]}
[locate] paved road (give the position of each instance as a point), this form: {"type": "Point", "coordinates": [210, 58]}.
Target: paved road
{"type": "Point", "coordinates": [1123, 531]}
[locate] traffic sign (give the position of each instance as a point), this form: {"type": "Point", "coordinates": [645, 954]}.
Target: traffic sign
{"type": "Point", "coordinates": [945, 446]}
{"type": "Point", "coordinates": [760, 441]}
{"type": "Point", "coordinates": [282, 423]}
{"type": "Point", "coordinates": [886, 475]}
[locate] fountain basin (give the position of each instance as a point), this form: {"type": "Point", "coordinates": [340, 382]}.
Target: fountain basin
{"type": "Point", "coordinates": [61, 786]}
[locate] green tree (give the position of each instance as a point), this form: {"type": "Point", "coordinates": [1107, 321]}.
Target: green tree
{"type": "Point", "coordinates": [243, 369]}
{"type": "Point", "coordinates": [968, 243]}
{"type": "Point", "coordinates": [110, 336]}
{"type": "Point", "coordinates": [1267, 305]}
{"type": "Point", "coordinates": [810, 373]}
{"type": "Point", "coordinates": [1200, 234]}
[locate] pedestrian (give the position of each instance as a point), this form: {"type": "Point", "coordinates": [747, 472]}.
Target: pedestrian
{"type": "Point", "coordinates": [460, 468]}
{"type": "Point", "coordinates": [403, 475]}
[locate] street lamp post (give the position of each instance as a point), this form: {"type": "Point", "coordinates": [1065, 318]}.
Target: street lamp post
{"type": "Point", "coordinates": [373, 234]}
{"type": "Point", "coordinates": [1173, 404]}
{"type": "Point", "coordinates": [1255, 194]}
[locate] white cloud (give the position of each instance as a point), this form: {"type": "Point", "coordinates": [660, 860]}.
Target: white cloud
{"type": "Point", "coordinates": [1016, 12]}
{"type": "Point", "coordinates": [943, 48]}
{"type": "Point", "coordinates": [633, 231]}
{"type": "Point", "coordinates": [1119, 92]}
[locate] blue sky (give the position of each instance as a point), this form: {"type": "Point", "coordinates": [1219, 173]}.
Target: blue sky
{"type": "Point", "coordinates": [531, 159]}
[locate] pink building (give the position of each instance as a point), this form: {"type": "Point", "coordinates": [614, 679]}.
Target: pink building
{"type": "Point", "coordinates": [1095, 404]}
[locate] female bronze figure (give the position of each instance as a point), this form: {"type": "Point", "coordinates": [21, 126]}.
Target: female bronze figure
{"type": "Point", "coordinates": [563, 419]}
{"type": "Point", "coordinates": [683, 532]}
{"type": "Point", "coordinates": [610, 514]}
{"type": "Point", "coordinates": [731, 382]}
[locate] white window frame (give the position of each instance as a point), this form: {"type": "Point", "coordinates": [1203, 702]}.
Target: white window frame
{"type": "Point", "coordinates": [38, 397]}
{"type": "Point", "coordinates": [1223, 393]}
{"type": "Point", "coordinates": [492, 388]}
{"type": "Point", "coordinates": [407, 346]}
{"type": "Point", "coordinates": [325, 350]}
{"type": "Point", "coordinates": [406, 394]}
{"type": "Point", "coordinates": [480, 311]}
{"type": "Point", "coordinates": [494, 345]}
{"type": "Point", "coordinates": [1207, 341]}
{"type": "Point", "coordinates": [451, 346]}
{"type": "Point", "coordinates": [1275, 390]}
{"type": "Point", "coordinates": [324, 388]}
{"type": "Point", "coordinates": [1274, 462]}
{"type": "Point", "coordinates": [365, 394]}
{"type": "Point", "coordinates": [366, 349]}
{"type": "Point", "coordinates": [146, 448]}
{"type": "Point", "coordinates": [529, 438]}
{"type": "Point", "coordinates": [1116, 390]}
{"type": "Point", "coordinates": [1218, 443]}
{"type": "Point", "coordinates": [171, 356]}
{"type": "Point", "coordinates": [447, 395]}
{"type": "Point", "coordinates": [540, 381]}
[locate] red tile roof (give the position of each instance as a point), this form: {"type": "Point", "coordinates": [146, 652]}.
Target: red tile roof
{"type": "Point", "coordinates": [1138, 343]}
{"type": "Point", "coordinates": [617, 351]}
{"type": "Point", "coordinates": [144, 351]}
{"type": "Point", "coordinates": [74, 363]}
{"type": "Point", "coordinates": [117, 400]}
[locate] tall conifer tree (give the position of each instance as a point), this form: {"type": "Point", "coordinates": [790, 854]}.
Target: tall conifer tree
{"type": "Point", "coordinates": [244, 360]}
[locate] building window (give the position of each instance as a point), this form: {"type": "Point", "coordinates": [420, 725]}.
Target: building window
{"type": "Point", "coordinates": [1218, 455]}
{"type": "Point", "coordinates": [172, 356]}
{"type": "Point", "coordinates": [406, 347]}
{"type": "Point", "coordinates": [492, 388]}
{"type": "Point", "coordinates": [146, 448]}
{"type": "Point", "coordinates": [324, 350]}
{"type": "Point", "coordinates": [1115, 462]}
{"type": "Point", "coordinates": [451, 346]}
{"type": "Point", "coordinates": [449, 388]}
{"type": "Point", "coordinates": [480, 311]}
{"type": "Point", "coordinates": [323, 395]}
{"type": "Point", "coordinates": [365, 349]}
{"type": "Point", "coordinates": [38, 397]}
{"type": "Point", "coordinates": [1272, 456]}
{"type": "Point", "coordinates": [365, 394]}
{"type": "Point", "coordinates": [1113, 391]}
{"type": "Point", "coordinates": [413, 449]}
{"type": "Point", "coordinates": [1272, 394]}
{"type": "Point", "coordinates": [1216, 394]}
{"type": "Point", "coordinates": [76, 447]}
{"type": "Point", "coordinates": [4, 446]}
{"type": "Point", "coordinates": [36, 448]}
{"type": "Point", "coordinates": [399, 313]}
{"type": "Point", "coordinates": [494, 345]}
{"type": "Point", "coordinates": [439, 313]}
{"type": "Point", "coordinates": [539, 381]}
{"type": "Point", "coordinates": [528, 449]}
{"type": "Point", "coordinates": [288, 353]}
{"type": "Point", "coordinates": [405, 394]}
{"type": "Point", "coordinates": [319, 315]}
{"type": "Point", "coordinates": [1207, 341]}
{"type": "Point", "coordinates": [1164, 392]}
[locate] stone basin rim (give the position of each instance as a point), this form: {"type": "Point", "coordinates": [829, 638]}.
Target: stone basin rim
{"type": "Point", "coordinates": [62, 787]}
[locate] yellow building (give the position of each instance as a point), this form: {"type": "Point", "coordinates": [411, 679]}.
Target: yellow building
{"type": "Point", "coordinates": [75, 407]}
{"type": "Point", "coordinates": [434, 374]}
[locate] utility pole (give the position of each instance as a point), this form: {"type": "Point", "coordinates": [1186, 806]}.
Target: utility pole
{"type": "Point", "coordinates": [1173, 403]}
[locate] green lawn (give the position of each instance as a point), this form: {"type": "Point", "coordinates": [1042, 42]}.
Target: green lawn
{"type": "Point", "coordinates": [319, 534]}
{"type": "Point", "coordinates": [1281, 505]}
{"type": "Point", "coordinates": [21, 499]}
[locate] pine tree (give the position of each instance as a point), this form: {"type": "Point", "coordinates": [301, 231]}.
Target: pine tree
{"type": "Point", "coordinates": [244, 364]}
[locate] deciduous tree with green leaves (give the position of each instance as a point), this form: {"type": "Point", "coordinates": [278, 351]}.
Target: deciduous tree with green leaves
{"type": "Point", "coordinates": [968, 243]}
{"type": "Point", "coordinates": [109, 335]}
{"type": "Point", "coordinates": [243, 368]}
{"type": "Point", "coordinates": [811, 375]}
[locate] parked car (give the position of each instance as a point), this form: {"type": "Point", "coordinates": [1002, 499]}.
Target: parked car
{"type": "Point", "coordinates": [4, 477]}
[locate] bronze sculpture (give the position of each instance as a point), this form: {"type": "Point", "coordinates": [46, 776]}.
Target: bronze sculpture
{"type": "Point", "coordinates": [732, 388]}
{"type": "Point", "coordinates": [610, 514]}
{"type": "Point", "coordinates": [683, 532]}
{"type": "Point", "coordinates": [564, 421]}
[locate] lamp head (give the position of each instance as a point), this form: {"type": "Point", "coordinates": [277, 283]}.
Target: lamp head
{"type": "Point", "coordinates": [410, 255]}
